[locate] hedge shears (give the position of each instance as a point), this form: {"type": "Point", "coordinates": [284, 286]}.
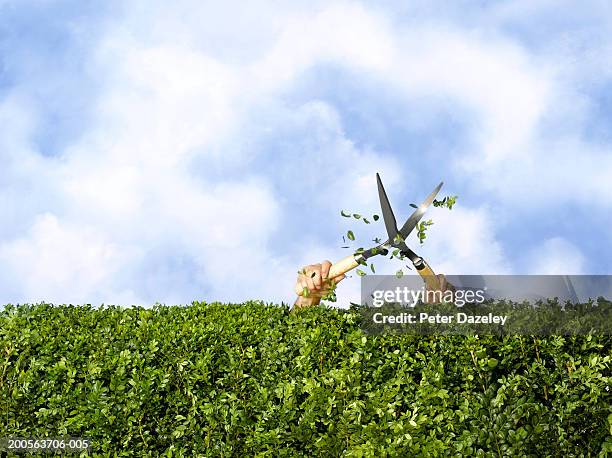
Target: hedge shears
{"type": "Point", "coordinates": [396, 240]}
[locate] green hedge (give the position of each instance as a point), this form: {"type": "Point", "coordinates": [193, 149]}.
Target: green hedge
{"type": "Point", "coordinates": [256, 380]}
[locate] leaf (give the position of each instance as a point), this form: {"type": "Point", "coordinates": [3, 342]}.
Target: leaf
{"type": "Point", "coordinates": [439, 203]}
{"type": "Point", "coordinates": [345, 214]}
{"type": "Point", "coordinates": [360, 272]}
{"type": "Point", "coordinates": [365, 220]}
{"type": "Point", "coordinates": [345, 246]}
{"type": "Point", "coordinates": [356, 215]}
{"type": "Point", "coordinates": [499, 409]}
{"type": "Point", "coordinates": [372, 268]}
{"type": "Point", "coordinates": [451, 202]}
{"type": "Point", "coordinates": [447, 202]}
{"type": "Point", "coordinates": [375, 217]}
{"type": "Point", "coordinates": [350, 235]}
{"type": "Point", "coordinates": [376, 240]}
{"type": "Point", "coordinates": [399, 273]}
{"type": "Point", "coordinates": [331, 293]}
{"type": "Point", "coordinates": [421, 228]}
{"type": "Point", "coordinates": [414, 206]}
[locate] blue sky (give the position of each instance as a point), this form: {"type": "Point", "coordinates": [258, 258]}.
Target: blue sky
{"type": "Point", "coordinates": [203, 151]}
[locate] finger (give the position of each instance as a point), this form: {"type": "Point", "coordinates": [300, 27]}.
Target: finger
{"type": "Point", "coordinates": [309, 282]}
{"type": "Point", "coordinates": [299, 282]}
{"type": "Point", "coordinates": [302, 272]}
{"type": "Point", "coordinates": [445, 284]}
{"type": "Point", "coordinates": [325, 266]}
{"type": "Point", "coordinates": [316, 275]}
{"type": "Point", "coordinates": [299, 287]}
{"type": "Point", "coordinates": [330, 283]}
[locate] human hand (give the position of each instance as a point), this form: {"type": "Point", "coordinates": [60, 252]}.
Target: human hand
{"type": "Point", "coordinates": [313, 283]}
{"type": "Point", "coordinates": [444, 286]}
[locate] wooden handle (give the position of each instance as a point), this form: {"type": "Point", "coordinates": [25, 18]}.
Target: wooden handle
{"type": "Point", "coordinates": [343, 266]}
{"type": "Point", "coordinates": [429, 277]}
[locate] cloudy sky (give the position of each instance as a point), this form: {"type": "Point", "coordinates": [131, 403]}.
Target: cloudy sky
{"type": "Point", "coordinates": [178, 151]}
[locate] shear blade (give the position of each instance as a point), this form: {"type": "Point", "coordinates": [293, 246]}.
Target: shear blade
{"type": "Point", "coordinates": [416, 216]}
{"type": "Point", "coordinates": [387, 212]}
{"type": "Point", "coordinates": [411, 222]}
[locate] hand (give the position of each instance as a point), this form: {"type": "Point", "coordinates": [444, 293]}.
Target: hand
{"type": "Point", "coordinates": [315, 279]}
{"type": "Point", "coordinates": [445, 286]}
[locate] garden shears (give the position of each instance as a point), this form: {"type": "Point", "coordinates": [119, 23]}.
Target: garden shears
{"type": "Point", "coordinates": [396, 240]}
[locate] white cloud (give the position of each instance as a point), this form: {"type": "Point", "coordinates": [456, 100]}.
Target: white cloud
{"type": "Point", "coordinates": [463, 241]}
{"type": "Point", "coordinates": [63, 264]}
{"type": "Point", "coordinates": [493, 77]}
{"type": "Point", "coordinates": [342, 33]}
{"type": "Point", "coordinates": [556, 256]}
{"type": "Point", "coordinates": [171, 165]}
{"type": "Point", "coordinates": [225, 225]}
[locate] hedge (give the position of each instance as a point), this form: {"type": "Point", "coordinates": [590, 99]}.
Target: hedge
{"type": "Point", "coordinates": [255, 379]}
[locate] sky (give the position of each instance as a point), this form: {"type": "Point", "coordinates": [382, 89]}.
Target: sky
{"type": "Point", "coordinates": [168, 152]}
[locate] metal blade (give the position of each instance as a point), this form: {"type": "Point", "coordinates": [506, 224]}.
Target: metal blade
{"type": "Point", "coordinates": [416, 216]}
{"type": "Point", "coordinates": [387, 212]}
